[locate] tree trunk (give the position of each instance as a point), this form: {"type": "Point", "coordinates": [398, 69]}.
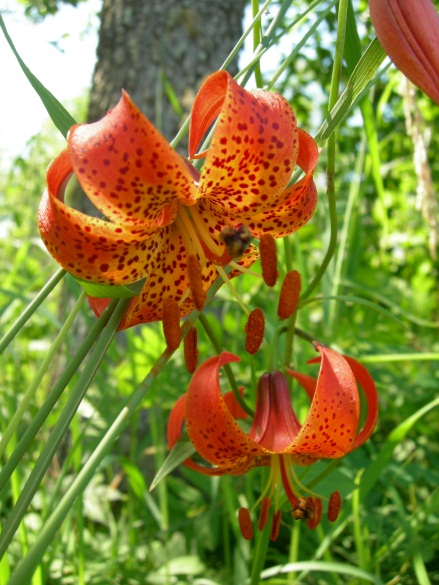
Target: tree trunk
{"type": "Point", "coordinates": [147, 47]}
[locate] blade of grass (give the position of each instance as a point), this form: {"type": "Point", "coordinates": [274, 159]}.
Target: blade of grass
{"type": "Point", "coordinates": [44, 460]}
{"type": "Point", "coordinates": [31, 308]}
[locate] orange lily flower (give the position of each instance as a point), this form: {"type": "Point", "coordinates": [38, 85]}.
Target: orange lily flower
{"type": "Point", "coordinates": [276, 437]}
{"type": "Point", "coordinates": [159, 210]}
{"type": "Point", "coordinates": [408, 31]}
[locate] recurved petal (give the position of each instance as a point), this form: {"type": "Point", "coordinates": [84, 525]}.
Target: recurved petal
{"type": "Point", "coordinates": [367, 383]}
{"type": "Point", "coordinates": [88, 247]}
{"type": "Point", "coordinates": [127, 168]}
{"type": "Point", "coordinates": [253, 150]}
{"type": "Point", "coordinates": [330, 427]}
{"type": "Point", "coordinates": [210, 425]}
{"type": "Point", "coordinates": [293, 208]}
{"type": "Point", "coordinates": [175, 424]}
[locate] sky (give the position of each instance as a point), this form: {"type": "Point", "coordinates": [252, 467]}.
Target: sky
{"type": "Point", "coordinates": [60, 52]}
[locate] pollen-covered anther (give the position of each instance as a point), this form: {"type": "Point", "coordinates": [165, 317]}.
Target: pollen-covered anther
{"type": "Point", "coordinates": [317, 508]}
{"type": "Point", "coordinates": [334, 506]}
{"type": "Point", "coordinates": [245, 523]}
{"type": "Point", "coordinates": [236, 240]}
{"type": "Point", "coordinates": [289, 294]}
{"type": "Point", "coordinates": [263, 514]}
{"type": "Point", "coordinates": [171, 323]}
{"type": "Point", "coordinates": [254, 330]}
{"type": "Point", "coordinates": [191, 350]}
{"type": "Point", "coordinates": [275, 525]}
{"type": "Point", "coordinates": [195, 276]}
{"type": "Point", "coordinates": [268, 253]}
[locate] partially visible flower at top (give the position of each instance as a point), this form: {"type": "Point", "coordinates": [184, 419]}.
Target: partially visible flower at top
{"type": "Point", "coordinates": [163, 218]}
{"type": "Point", "coordinates": [276, 438]}
{"type": "Point", "coordinates": [408, 31]}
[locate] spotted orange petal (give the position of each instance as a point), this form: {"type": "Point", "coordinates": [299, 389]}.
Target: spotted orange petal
{"type": "Point", "coordinates": [366, 381]}
{"type": "Point", "coordinates": [88, 247]}
{"type": "Point", "coordinates": [210, 425]}
{"type": "Point", "coordinates": [254, 146]}
{"type": "Point", "coordinates": [331, 425]}
{"type": "Point", "coordinates": [293, 208]}
{"type": "Point", "coordinates": [127, 168]}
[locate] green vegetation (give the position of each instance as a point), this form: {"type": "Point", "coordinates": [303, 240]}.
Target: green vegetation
{"type": "Point", "coordinates": [185, 531]}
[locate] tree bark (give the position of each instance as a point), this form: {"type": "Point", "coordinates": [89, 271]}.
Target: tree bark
{"type": "Point", "coordinates": [145, 46]}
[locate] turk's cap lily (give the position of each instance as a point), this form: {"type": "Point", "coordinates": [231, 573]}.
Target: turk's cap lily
{"type": "Point", "coordinates": [408, 31]}
{"type": "Point", "coordinates": [159, 210]}
{"type": "Point", "coordinates": [276, 437]}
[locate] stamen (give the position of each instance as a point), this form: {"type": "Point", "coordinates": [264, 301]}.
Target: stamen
{"type": "Point", "coordinates": [226, 280]}
{"type": "Point", "coordinates": [171, 323]}
{"type": "Point", "coordinates": [191, 245]}
{"type": "Point", "coordinates": [195, 276]}
{"type": "Point", "coordinates": [254, 330]}
{"type": "Point", "coordinates": [334, 506]}
{"type": "Point", "coordinates": [263, 514]}
{"type": "Point", "coordinates": [204, 232]}
{"type": "Point", "coordinates": [191, 350]}
{"type": "Point", "coordinates": [268, 252]}
{"type": "Point", "coordinates": [289, 294]}
{"type": "Point", "coordinates": [236, 240]}
{"type": "Point", "coordinates": [275, 525]}
{"type": "Point", "coordinates": [245, 523]}
{"type": "Point", "coordinates": [314, 520]}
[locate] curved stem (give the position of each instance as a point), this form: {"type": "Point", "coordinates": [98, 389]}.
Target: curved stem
{"type": "Point", "coordinates": [335, 80]}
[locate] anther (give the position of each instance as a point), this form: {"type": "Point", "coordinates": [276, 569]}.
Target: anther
{"type": "Point", "coordinates": [245, 523]}
{"type": "Point", "coordinates": [171, 323]}
{"type": "Point", "coordinates": [268, 252]}
{"type": "Point", "coordinates": [275, 525]}
{"type": "Point", "coordinates": [191, 350]}
{"type": "Point", "coordinates": [236, 240]}
{"type": "Point", "coordinates": [289, 294]}
{"type": "Point", "coordinates": [254, 330]}
{"type": "Point", "coordinates": [195, 277]}
{"type": "Point", "coordinates": [314, 519]}
{"type": "Point", "coordinates": [334, 506]}
{"type": "Point", "coordinates": [263, 515]}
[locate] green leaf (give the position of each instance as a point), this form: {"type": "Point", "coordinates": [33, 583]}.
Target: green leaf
{"type": "Point", "coordinates": [57, 112]}
{"type": "Point", "coordinates": [182, 449]}
{"type": "Point", "coordinates": [375, 471]}
{"type": "Point", "coordinates": [361, 79]}
{"type": "Point", "coordinates": [104, 291]}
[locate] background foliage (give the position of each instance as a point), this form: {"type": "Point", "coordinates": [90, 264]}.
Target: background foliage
{"type": "Point", "coordinates": [185, 531]}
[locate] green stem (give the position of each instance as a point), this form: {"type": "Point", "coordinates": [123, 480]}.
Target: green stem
{"type": "Point", "coordinates": [333, 94]}
{"type": "Point", "coordinates": [259, 554]}
{"type": "Point", "coordinates": [53, 397]}
{"type": "Point", "coordinates": [30, 309]}
{"type": "Point", "coordinates": [23, 407]}
{"type": "Point", "coordinates": [44, 460]}
{"type": "Point", "coordinates": [256, 41]}
{"type": "Point", "coordinates": [228, 370]}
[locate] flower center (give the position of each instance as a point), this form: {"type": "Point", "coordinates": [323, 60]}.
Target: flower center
{"type": "Point", "coordinates": [309, 508]}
